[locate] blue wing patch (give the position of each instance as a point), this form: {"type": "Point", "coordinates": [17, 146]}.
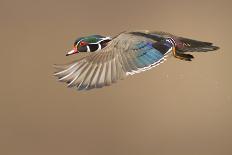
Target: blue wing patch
{"type": "Point", "coordinates": [150, 54]}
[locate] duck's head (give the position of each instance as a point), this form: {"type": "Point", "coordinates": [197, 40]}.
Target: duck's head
{"type": "Point", "coordinates": [89, 44]}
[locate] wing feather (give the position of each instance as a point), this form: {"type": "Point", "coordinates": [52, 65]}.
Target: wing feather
{"type": "Point", "coordinates": [95, 76]}
{"type": "Point", "coordinates": [108, 73]}
{"type": "Point", "coordinates": [113, 71]}
{"type": "Point", "coordinates": [124, 55]}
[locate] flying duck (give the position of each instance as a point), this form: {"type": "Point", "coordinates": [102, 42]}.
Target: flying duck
{"type": "Point", "coordinates": [130, 52]}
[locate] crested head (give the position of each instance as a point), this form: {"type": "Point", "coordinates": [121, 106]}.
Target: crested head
{"type": "Point", "coordinates": [90, 43]}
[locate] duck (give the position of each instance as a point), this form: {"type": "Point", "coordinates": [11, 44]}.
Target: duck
{"type": "Point", "coordinates": [111, 59]}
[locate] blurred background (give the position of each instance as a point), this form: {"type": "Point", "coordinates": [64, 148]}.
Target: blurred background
{"type": "Point", "coordinates": [177, 108]}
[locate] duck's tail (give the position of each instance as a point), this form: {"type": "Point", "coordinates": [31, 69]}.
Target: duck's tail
{"type": "Point", "coordinates": [190, 45]}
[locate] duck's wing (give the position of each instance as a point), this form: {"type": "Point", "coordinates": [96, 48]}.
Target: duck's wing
{"type": "Point", "coordinates": [126, 54]}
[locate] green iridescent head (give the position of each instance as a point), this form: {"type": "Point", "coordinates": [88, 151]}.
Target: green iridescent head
{"type": "Point", "coordinates": [89, 44]}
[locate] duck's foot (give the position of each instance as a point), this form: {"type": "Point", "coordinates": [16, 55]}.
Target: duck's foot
{"type": "Point", "coordinates": [182, 56]}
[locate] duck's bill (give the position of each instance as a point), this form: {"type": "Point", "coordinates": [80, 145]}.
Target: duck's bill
{"type": "Point", "coordinates": [74, 51]}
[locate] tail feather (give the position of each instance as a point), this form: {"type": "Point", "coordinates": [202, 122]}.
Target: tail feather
{"type": "Point", "coordinates": [190, 45]}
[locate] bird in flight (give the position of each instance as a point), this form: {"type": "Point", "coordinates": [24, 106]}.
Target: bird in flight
{"type": "Point", "coordinates": [130, 52]}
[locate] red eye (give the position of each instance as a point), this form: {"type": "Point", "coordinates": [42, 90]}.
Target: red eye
{"type": "Point", "coordinates": [82, 43]}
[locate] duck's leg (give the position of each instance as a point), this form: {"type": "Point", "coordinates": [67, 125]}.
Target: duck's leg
{"type": "Point", "coordinates": [181, 56]}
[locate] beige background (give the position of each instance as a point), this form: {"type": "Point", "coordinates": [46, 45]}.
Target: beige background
{"type": "Point", "coordinates": [177, 108]}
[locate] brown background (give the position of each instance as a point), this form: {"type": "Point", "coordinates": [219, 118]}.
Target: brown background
{"type": "Point", "coordinates": [178, 108]}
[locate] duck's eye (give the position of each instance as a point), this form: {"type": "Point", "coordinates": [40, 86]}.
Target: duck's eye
{"type": "Point", "coordinates": [82, 43]}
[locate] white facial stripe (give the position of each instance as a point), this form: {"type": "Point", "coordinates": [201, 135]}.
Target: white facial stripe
{"type": "Point", "coordinates": [79, 41]}
{"type": "Point", "coordinates": [88, 49]}
{"type": "Point", "coordinates": [99, 47]}
{"type": "Point", "coordinates": [102, 39]}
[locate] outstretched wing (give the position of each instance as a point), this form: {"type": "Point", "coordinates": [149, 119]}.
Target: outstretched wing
{"type": "Point", "coordinates": [127, 54]}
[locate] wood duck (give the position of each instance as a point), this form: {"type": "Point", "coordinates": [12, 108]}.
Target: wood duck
{"type": "Point", "coordinates": [127, 53]}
